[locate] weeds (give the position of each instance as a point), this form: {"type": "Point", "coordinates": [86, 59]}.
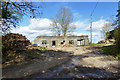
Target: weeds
{"type": "Point", "coordinates": [43, 49]}
{"type": "Point", "coordinates": [111, 50]}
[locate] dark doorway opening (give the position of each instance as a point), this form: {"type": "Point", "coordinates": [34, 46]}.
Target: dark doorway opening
{"type": "Point", "coordinates": [53, 43]}
{"type": "Point", "coordinates": [81, 42]}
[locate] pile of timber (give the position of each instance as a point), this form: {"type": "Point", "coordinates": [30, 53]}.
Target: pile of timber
{"type": "Point", "coordinates": [15, 41]}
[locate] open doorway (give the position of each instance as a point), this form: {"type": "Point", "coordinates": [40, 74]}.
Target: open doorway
{"type": "Point", "coordinates": [78, 42]}
{"type": "Point", "coordinates": [53, 43]}
{"type": "Point", "coordinates": [81, 42]}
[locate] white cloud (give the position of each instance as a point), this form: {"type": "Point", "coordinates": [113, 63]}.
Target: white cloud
{"type": "Point", "coordinates": [40, 24]}
{"type": "Point", "coordinates": [42, 27]}
{"type": "Point", "coordinates": [77, 34]}
{"type": "Point", "coordinates": [96, 29]}
{"type": "Point", "coordinates": [97, 25]}
{"type": "Point", "coordinates": [36, 27]}
{"type": "Point", "coordinates": [96, 36]}
{"type": "Point", "coordinates": [80, 24]}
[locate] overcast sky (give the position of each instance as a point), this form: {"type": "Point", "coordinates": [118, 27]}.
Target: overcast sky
{"type": "Point", "coordinates": [81, 12]}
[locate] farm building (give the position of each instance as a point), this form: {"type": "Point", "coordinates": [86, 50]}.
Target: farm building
{"type": "Point", "coordinates": [56, 41]}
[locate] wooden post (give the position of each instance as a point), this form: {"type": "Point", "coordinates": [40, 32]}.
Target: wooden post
{"type": "Point", "coordinates": [91, 30]}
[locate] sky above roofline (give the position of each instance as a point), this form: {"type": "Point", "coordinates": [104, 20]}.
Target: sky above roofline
{"type": "Point", "coordinates": [104, 12]}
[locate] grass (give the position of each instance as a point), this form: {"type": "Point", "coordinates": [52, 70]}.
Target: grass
{"type": "Point", "coordinates": [111, 50]}
{"type": "Point", "coordinates": [108, 49]}
{"type": "Point", "coordinates": [43, 48]}
{"type": "Point", "coordinates": [96, 44]}
{"type": "Point", "coordinates": [118, 56]}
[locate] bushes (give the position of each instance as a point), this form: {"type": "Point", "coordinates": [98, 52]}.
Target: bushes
{"type": "Point", "coordinates": [107, 50]}
{"type": "Point", "coordinates": [114, 49]}
{"type": "Point", "coordinates": [42, 48]}
{"type": "Point", "coordinates": [111, 50]}
{"type": "Point", "coordinates": [117, 38]}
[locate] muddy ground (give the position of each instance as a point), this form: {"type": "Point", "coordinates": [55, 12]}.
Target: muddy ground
{"type": "Point", "coordinates": [69, 62]}
{"type": "Point", "coordinates": [85, 62]}
{"type": "Point", "coordinates": [43, 62]}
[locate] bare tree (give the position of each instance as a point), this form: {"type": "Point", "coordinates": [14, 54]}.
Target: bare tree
{"type": "Point", "coordinates": [106, 30]}
{"type": "Point", "coordinates": [62, 23]}
{"type": "Point", "coordinates": [56, 28]}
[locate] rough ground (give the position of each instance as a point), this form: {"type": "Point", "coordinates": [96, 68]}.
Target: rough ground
{"type": "Point", "coordinates": [86, 62]}
{"type": "Point", "coordinates": [48, 59]}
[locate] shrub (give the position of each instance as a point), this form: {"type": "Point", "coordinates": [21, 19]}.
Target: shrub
{"type": "Point", "coordinates": [42, 48]}
{"type": "Point", "coordinates": [107, 50]}
{"type": "Point", "coordinates": [118, 56]}
{"type": "Point", "coordinates": [117, 39]}
{"type": "Point", "coordinates": [111, 50]}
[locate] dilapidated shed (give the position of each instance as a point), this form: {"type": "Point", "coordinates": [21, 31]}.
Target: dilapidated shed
{"type": "Point", "coordinates": [56, 41]}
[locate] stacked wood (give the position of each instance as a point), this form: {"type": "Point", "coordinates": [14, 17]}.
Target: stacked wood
{"type": "Point", "coordinates": [14, 41]}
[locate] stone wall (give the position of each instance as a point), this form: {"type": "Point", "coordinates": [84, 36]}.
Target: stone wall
{"type": "Point", "coordinates": [55, 41]}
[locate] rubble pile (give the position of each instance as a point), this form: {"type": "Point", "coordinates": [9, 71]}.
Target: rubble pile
{"type": "Point", "coordinates": [106, 41]}
{"type": "Point", "coordinates": [14, 41]}
{"type": "Point", "coordinates": [33, 47]}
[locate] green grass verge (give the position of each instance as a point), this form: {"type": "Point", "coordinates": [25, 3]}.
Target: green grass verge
{"type": "Point", "coordinates": [43, 48]}
{"type": "Point", "coordinates": [96, 44]}
{"type": "Point", "coordinates": [111, 50]}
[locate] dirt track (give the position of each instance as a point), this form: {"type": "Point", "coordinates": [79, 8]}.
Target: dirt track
{"type": "Point", "coordinates": [85, 62]}
{"type": "Point", "coordinates": [50, 59]}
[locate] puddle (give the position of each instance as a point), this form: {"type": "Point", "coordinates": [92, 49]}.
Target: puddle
{"type": "Point", "coordinates": [70, 65]}
{"type": "Point", "coordinates": [100, 73]}
{"type": "Point", "coordinates": [91, 54]}
{"type": "Point", "coordinates": [76, 62]}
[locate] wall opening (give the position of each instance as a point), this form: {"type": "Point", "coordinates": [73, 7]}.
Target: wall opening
{"type": "Point", "coordinates": [53, 43]}
{"type": "Point", "coordinates": [71, 42]}
{"type": "Point", "coordinates": [62, 42]}
{"type": "Point", "coordinates": [44, 42]}
{"type": "Point", "coordinates": [81, 42]}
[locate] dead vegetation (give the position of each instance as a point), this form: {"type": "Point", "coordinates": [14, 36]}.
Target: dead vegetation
{"type": "Point", "coordinates": [17, 49]}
